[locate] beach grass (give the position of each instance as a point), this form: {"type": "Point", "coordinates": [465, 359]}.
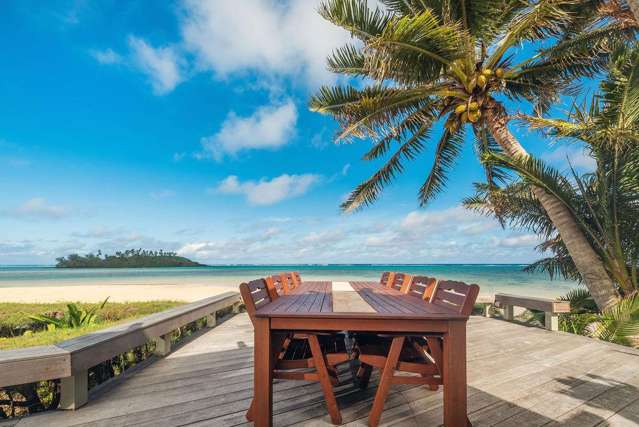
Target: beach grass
{"type": "Point", "coordinates": [14, 317]}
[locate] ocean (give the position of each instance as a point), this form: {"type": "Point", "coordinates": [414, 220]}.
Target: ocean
{"type": "Point", "coordinates": [492, 278]}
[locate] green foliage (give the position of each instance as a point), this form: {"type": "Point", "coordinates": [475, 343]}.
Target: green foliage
{"type": "Point", "coordinates": [424, 62]}
{"type": "Point", "coordinates": [16, 318]}
{"type": "Point", "coordinates": [131, 258]}
{"type": "Point", "coordinates": [75, 317]}
{"type": "Point", "coordinates": [618, 324]}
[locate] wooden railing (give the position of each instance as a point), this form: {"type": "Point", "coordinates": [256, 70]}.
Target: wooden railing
{"type": "Point", "coordinates": [70, 360]}
{"type": "Point", "coordinates": [550, 307]}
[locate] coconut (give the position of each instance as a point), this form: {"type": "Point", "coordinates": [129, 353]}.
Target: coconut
{"type": "Point", "coordinates": [499, 72]}
{"type": "Point", "coordinates": [473, 106]}
{"type": "Point", "coordinates": [473, 116]}
{"type": "Point", "coordinates": [482, 81]}
{"type": "Point", "coordinates": [460, 108]}
{"type": "Point", "coordinates": [487, 72]}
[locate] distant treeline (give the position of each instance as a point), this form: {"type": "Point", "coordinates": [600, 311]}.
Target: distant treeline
{"type": "Point", "coordinates": [131, 258]}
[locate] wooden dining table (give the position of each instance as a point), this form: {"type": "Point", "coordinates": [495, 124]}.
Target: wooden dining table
{"type": "Point", "coordinates": [360, 306]}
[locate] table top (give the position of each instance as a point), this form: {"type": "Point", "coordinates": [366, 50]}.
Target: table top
{"type": "Point", "coordinates": [319, 299]}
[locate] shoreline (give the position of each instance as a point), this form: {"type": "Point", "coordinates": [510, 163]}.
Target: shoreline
{"type": "Point", "coordinates": [138, 292]}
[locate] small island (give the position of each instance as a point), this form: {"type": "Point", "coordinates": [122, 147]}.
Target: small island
{"type": "Point", "coordinates": [131, 258]}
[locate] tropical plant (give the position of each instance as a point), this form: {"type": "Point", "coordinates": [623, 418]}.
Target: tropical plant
{"type": "Point", "coordinates": [425, 61]}
{"type": "Point", "coordinates": [605, 203]}
{"type": "Point", "coordinates": [619, 323]}
{"type": "Point", "coordinates": [75, 317]}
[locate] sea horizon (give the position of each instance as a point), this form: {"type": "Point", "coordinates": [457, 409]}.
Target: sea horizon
{"type": "Point", "coordinates": [492, 278]}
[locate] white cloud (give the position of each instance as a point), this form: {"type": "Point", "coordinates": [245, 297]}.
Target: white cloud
{"type": "Point", "coordinates": [526, 240]}
{"type": "Point", "coordinates": [162, 194]}
{"type": "Point", "coordinates": [345, 169]}
{"type": "Point", "coordinates": [37, 208]}
{"type": "Point", "coordinates": [576, 155]}
{"type": "Point", "coordinates": [268, 127]}
{"type": "Point", "coordinates": [163, 65]}
{"type": "Point", "coordinates": [228, 36]}
{"type": "Point", "coordinates": [268, 192]}
{"type": "Point", "coordinates": [106, 56]}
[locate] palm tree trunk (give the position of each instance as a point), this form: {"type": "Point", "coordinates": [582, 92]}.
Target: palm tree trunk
{"type": "Point", "coordinates": [586, 260]}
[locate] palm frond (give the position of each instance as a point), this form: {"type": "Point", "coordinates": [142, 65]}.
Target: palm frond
{"type": "Point", "coordinates": [355, 16]}
{"type": "Point", "coordinates": [367, 192]}
{"type": "Point", "coordinates": [448, 149]}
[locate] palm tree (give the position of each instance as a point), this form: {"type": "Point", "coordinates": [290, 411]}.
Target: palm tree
{"type": "Point", "coordinates": [424, 61]}
{"type": "Point", "coordinates": [605, 203]}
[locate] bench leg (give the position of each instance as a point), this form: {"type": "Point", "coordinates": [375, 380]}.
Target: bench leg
{"type": "Point", "coordinates": [552, 321]}
{"type": "Point", "coordinates": [211, 321]}
{"type": "Point", "coordinates": [162, 345]}
{"type": "Point", "coordinates": [74, 391]}
{"type": "Point", "coordinates": [508, 312]}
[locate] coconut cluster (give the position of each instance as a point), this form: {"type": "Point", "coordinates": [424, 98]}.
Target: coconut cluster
{"type": "Point", "coordinates": [469, 110]}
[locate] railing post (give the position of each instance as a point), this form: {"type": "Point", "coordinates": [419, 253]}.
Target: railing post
{"type": "Point", "coordinates": [487, 308]}
{"type": "Point", "coordinates": [552, 321]}
{"type": "Point", "coordinates": [508, 312]}
{"type": "Point", "coordinates": [162, 345]}
{"type": "Point", "coordinates": [211, 321]}
{"type": "Point", "coordinates": [74, 391]}
{"type": "Point", "coordinates": [236, 307]}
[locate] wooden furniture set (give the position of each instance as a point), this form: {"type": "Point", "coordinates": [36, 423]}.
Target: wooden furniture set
{"type": "Point", "coordinates": [411, 328]}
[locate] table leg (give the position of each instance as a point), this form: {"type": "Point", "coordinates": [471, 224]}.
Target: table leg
{"type": "Point", "coordinates": [455, 393]}
{"type": "Point", "coordinates": [263, 374]}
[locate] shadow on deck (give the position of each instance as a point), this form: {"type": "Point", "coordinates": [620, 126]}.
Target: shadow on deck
{"type": "Point", "coordinates": [518, 376]}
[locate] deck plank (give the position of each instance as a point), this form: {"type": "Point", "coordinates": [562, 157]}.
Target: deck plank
{"type": "Point", "coordinates": [517, 376]}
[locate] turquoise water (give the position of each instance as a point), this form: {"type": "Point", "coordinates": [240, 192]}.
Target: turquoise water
{"type": "Point", "coordinates": [491, 278]}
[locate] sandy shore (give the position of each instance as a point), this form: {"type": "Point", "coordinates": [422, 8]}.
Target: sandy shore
{"type": "Point", "coordinates": [116, 293]}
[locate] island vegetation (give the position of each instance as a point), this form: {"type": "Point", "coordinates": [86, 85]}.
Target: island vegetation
{"type": "Point", "coordinates": [131, 258]}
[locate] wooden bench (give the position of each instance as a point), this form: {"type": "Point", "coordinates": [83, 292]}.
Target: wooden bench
{"type": "Point", "coordinates": [550, 307]}
{"type": "Point", "coordinates": [70, 360]}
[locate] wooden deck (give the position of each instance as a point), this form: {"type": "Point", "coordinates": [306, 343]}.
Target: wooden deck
{"type": "Point", "coordinates": [518, 376]}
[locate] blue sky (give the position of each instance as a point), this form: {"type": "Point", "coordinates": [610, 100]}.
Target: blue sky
{"type": "Point", "coordinates": [183, 125]}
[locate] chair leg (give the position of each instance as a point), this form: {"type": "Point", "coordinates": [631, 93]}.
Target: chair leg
{"type": "Point", "coordinates": [364, 378]}
{"type": "Point", "coordinates": [324, 379]}
{"type": "Point", "coordinates": [385, 381]}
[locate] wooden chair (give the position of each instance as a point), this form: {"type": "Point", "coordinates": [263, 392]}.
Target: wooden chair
{"type": "Point", "coordinates": [307, 356]}
{"type": "Point", "coordinates": [421, 287]}
{"type": "Point", "coordinates": [296, 278]}
{"type": "Point", "coordinates": [386, 279]}
{"type": "Point", "coordinates": [418, 355]}
{"type": "Point", "coordinates": [290, 280]}
{"type": "Point", "coordinates": [281, 283]}
{"type": "Point", "coordinates": [400, 282]}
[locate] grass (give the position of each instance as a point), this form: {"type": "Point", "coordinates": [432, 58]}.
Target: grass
{"type": "Point", "coordinates": [14, 316]}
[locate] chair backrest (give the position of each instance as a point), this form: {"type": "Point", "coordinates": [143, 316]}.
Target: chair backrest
{"type": "Point", "coordinates": [457, 296]}
{"type": "Point", "coordinates": [280, 283]}
{"type": "Point", "coordinates": [290, 281]}
{"type": "Point", "coordinates": [422, 287]}
{"type": "Point", "coordinates": [255, 295]}
{"type": "Point", "coordinates": [401, 281]}
{"type": "Point", "coordinates": [386, 279]}
{"type": "Point", "coordinates": [296, 278]}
